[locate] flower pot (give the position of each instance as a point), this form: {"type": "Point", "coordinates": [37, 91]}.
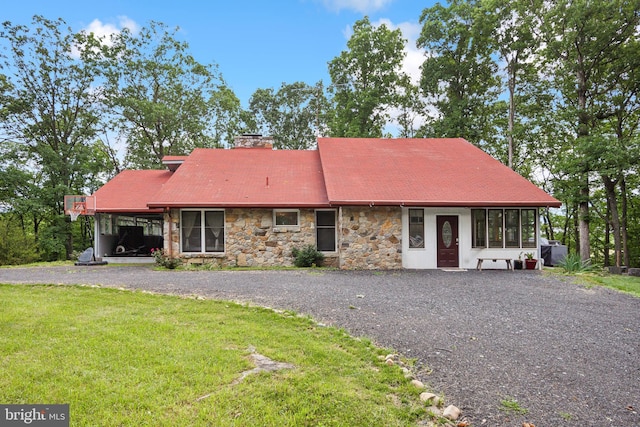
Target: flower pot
{"type": "Point", "coordinates": [517, 264]}
{"type": "Point", "coordinates": [530, 263]}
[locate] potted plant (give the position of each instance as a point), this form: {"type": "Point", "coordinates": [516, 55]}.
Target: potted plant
{"type": "Point", "coordinates": [517, 263]}
{"type": "Point", "coordinates": [530, 262]}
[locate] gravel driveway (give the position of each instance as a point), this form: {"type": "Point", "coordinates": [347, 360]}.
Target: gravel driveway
{"type": "Point", "coordinates": [569, 355]}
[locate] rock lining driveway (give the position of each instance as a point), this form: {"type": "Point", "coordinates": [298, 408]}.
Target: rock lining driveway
{"type": "Point", "coordinates": [568, 354]}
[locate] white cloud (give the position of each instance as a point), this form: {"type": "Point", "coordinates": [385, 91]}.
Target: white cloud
{"type": "Point", "coordinates": [105, 29]}
{"type": "Point", "coordinates": [362, 6]}
{"type": "Point", "coordinates": [414, 57]}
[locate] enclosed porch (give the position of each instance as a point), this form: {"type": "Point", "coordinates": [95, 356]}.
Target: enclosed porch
{"type": "Point", "coordinates": [128, 238]}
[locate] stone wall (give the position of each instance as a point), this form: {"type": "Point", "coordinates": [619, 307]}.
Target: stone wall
{"type": "Point", "coordinates": [368, 238]}
{"type": "Point", "coordinates": [251, 239]}
{"type": "Point", "coordinates": [371, 238]}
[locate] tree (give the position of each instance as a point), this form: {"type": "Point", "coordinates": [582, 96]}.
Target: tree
{"type": "Point", "coordinates": [294, 115]}
{"type": "Point", "coordinates": [50, 114]}
{"type": "Point", "coordinates": [365, 80]}
{"type": "Point", "coordinates": [164, 101]}
{"type": "Point", "coordinates": [509, 26]}
{"type": "Point", "coordinates": [586, 53]}
{"type": "Point", "coordinates": [459, 73]}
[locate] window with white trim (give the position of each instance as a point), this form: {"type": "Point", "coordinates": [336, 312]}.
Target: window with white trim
{"type": "Point", "coordinates": [286, 217]}
{"type": "Point", "coordinates": [504, 228]}
{"type": "Point", "coordinates": [326, 230]}
{"type": "Point", "coordinates": [202, 231]}
{"type": "Point", "coordinates": [416, 228]}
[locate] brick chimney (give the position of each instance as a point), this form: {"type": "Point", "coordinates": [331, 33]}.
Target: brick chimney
{"type": "Point", "coordinates": [253, 141]}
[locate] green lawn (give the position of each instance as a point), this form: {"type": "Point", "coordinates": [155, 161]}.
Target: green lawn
{"type": "Point", "coordinates": [122, 358]}
{"type": "Point", "coordinates": [629, 284]}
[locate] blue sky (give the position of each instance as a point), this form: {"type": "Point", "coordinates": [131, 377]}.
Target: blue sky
{"type": "Point", "coordinates": [256, 43]}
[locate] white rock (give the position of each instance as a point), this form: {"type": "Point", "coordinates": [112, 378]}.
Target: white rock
{"type": "Point", "coordinates": [426, 396]}
{"type": "Point", "coordinates": [417, 383]}
{"type": "Point", "coordinates": [451, 412]}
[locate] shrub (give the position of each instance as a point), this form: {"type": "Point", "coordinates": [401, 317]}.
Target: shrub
{"type": "Point", "coordinates": [163, 260]}
{"type": "Point", "coordinates": [307, 257]}
{"type": "Point", "coordinates": [573, 263]}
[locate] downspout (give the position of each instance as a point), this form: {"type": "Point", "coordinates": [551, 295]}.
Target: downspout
{"type": "Point", "coordinates": [169, 234]}
{"type": "Point", "coordinates": [339, 242]}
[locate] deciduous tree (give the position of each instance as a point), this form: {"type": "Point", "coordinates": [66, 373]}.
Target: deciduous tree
{"type": "Point", "coordinates": [366, 80]}
{"type": "Point", "coordinates": [164, 101]}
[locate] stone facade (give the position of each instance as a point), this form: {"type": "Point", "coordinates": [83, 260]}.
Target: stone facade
{"type": "Point", "coordinates": [371, 238]}
{"type": "Point", "coordinates": [251, 240]}
{"type": "Point", "coordinates": [368, 238]}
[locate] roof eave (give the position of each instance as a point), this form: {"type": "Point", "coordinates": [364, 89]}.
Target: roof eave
{"type": "Point", "coordinates": [445, 203]}
{"type": "Point", "coordinates": [129, 210]}
{"type": "Point", "coordinates": [270, 205]}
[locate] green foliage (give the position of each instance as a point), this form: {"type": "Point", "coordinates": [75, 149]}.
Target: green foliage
{"type": "Point", "coordinates": [511, 405]}
{"type": "Point", "coordinates": [292, 115]}
{"type": "Point", "coordinates": [17, 246]}
{"type": "Point", "coordinates": [366, 80]}
{"type": "Point", "coordinates": [161, 100]}
{"type": "Point", "coordinates": [51, 122]}
{"type": "Point", "coordinates": [161, 258]}
{"type": "Point", "coordinates": [459, 72]}
{"type": "Point", "coordinates": [307, 257]}
{"type": "Point", "coordinates": [573, 263]}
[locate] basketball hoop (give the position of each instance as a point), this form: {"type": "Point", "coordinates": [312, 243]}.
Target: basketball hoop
{"type": "Point", "coordinates": [74, 214]}
{"type": "Point", "coordinates": [77, 210]}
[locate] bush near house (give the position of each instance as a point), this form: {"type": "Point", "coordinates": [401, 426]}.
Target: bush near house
{"type": "Point", "coordinates": [307, 257]}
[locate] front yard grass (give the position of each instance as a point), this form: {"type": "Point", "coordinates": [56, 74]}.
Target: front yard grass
{"type": "Point", "coordinates": [123, 358]}
{"type": "Point", "coordinates": [628, 284]}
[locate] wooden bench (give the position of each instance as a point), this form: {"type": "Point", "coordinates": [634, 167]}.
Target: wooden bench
{"type": "Point", "coordinates": [481, 260]}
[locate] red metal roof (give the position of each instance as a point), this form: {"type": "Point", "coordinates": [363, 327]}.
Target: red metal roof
{"type": "Point", "coordinates": [130, 191]}
{"type": "Point", "coordinates": [343, 171]}
{"type": "Point", "coordinates": [421, 172]}
{"type": "Point", "coordinates": [249, 177]}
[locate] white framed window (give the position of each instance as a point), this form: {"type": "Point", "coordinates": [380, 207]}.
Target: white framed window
{"type": "Point", "coordinates": [286, 217]}
{"type": "Point", "coordinates": [202, 230]}
{"type": "Point", "coordinates": [505, 228]}
{"type": "Point", "coordinates": [326, 230]}
{"type": "Point", "coordinates": [416, 228]}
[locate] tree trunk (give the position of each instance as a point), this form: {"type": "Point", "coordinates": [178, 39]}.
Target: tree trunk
{"type": "Point", "coordinates": [623, 222]}
{"type": "Point", "coordinates": [583, 132]}
{"type": "Point", "coordinates": [607, 235]}
{"type": "Point", "coordinates": [612, 203]}
{"type": "Point", "coordinates": [576, 227]}
{"type": "Point", "coordinates": [512, 109]}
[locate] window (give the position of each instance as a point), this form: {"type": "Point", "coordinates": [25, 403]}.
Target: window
{"type": "Point", "coordinates": [326, 231]}
{"type": "Point", "coordinates": [512, 228]}
{"type": "Point", "coordinates": [106, 224]}
{"type": "Point", "coordinates": [202, 231]}
{"type": "Point", "coordinates": [283, 218]}
{"type": "Point", "coordinates": [529, 233]}
{"type": "Point", "coordinates": [495, 228]}
{"type": "Point", "coordinates": [416, 228]}
{"type": "Point", "coordinates": [479, 225]}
